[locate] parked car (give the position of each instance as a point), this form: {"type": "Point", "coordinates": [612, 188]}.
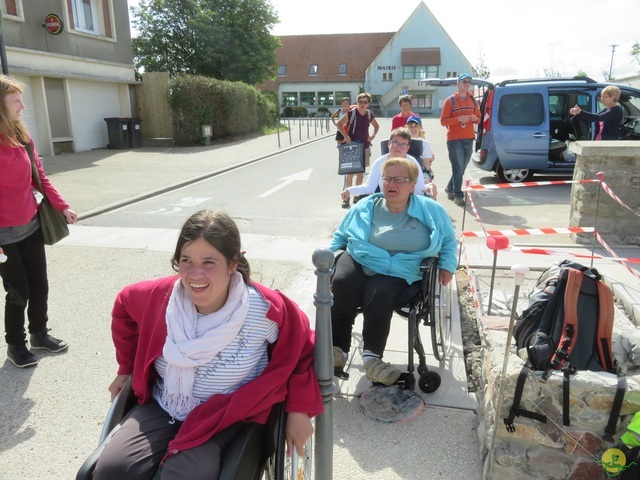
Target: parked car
{"type": "Point", "coordinates": [527, 127]}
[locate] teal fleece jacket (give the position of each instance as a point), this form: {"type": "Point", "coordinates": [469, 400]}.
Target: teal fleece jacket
{"type": "Point", "coordinates": [353, 235]}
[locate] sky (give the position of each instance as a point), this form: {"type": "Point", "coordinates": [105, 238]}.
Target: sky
{"type": "Point", "coordinates": [518, 39]}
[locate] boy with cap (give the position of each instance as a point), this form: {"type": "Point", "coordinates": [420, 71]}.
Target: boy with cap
{"type": "Point", "coordinates": [459, 113]}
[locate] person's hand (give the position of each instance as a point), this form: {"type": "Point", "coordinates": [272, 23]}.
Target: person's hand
{"type": "Point", "coordinates": [464, 118]}
{"type": "Point", "coordinates": [432, 191]}
{"type": "Point", "coordinates": [426, 161]}
{"type": "Point", "coordinates": [474, 118]}
{"type": "Point", "coordinates": [445, 276]}
{"type": "Point", "coordinates": [575, 110]}
{"type": "Point", "coordinates": [70, 215]}
{"type": "Point", "coordinates": [299, 429]}
{"type": "Point", "coordinates": [347, 138]}
{"type": "Point", "coordinates": [117, 385]}
{"type": "Point", "coordinates": [345, 195]}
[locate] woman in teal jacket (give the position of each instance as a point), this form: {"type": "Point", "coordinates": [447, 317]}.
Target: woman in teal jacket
{"type": "Point", "coordinates": [384, 239]}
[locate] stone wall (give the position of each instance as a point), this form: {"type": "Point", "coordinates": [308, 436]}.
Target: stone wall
{"type": "Point", "coordinates": [620, 163]}
{"type": "Point", "coordinates": [548, 451]}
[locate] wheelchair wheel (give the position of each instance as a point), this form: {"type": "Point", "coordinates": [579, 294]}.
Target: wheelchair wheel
{"type": "Point", "coordinates": [440, 316]}
{"type": "Point", "coordinates": [429, 382]}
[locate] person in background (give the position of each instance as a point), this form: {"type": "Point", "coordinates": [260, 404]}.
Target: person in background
{"type": "Point", "coordinates": [609, 119]}
{"type": "Point", "coordinates": [399, 142]}
{"type": "Point", "coordinates": [384, 238]}
{"type": "Point", "coordinates": [459, 113]}
{"type": "Point", "coordinates": [400, 120]}
{"type": "Point", "coordinates": [206, 349]}
{"type": "Point", "coordinates": [357, 122]}
{"type": "Point", "coordinates": [414, 124]}
{"type": "Point", "coordinates": [338, 114]}
{"type": "Point", "coordinates": [24, 273]}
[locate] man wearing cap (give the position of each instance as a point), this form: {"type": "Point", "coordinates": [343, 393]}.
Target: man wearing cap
{"type": "Point", "coordinates": [459, 113]}
{"type": "Point", "coordinates": [400, 120]}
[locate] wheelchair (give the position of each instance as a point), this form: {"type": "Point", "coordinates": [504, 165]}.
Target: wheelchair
{"type": "Point", "coordinates": [427, 302]}
{"type": "Point", "coordinates": [257, 452]}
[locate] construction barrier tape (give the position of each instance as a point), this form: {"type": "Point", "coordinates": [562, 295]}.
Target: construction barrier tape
{"type": "Point", "coordinates": [477, 186]}
{"type": "Point", "coordinates": [610, 250]}
{"type": "Point", "coordinates": [545, 251]}
{"type": "Point", "coordinates": [529, 231]}
{"type": "Point", "coordinates": [617, 199]}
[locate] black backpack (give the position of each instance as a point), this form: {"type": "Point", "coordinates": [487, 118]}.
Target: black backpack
{"type": "Point", "coordinates": [567, 326]}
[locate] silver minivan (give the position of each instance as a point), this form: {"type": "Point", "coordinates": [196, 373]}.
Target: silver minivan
{"type": "Point", "coordinates": [527, 126]}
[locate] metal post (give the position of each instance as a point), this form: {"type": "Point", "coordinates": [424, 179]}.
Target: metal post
{"type": "Point", "coordinates": [278, 129]}
{"type": "Point", "coordinates": [3, 54]}
{"type": "Point", "coordinates": [300, 128]}
{"type": "Point", "coordinates": [316, 125]}
{"type": "Point", "coordinates": [519, 271]}
{"type": "Point", "coordinates": [289, 126]}
{"type": "Point", "coordinates": [464, 215]}
{"type": "Point", "coordinates": [308, 123]}
{"type": "Point", "coordinates": [600, 176]}
{"type": "Point", "coordinates": [493, 277]}
{"type": "Point", "coordinates": [323, 362]}
{"type": "Point", "coordinates": [613, 50]}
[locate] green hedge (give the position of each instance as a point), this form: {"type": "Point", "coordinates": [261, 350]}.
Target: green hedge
{"type": "Point", "coordinates": [231, 108]}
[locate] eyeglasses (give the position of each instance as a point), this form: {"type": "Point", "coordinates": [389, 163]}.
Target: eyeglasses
{"type": "Point", "coordinates": [396, 180]}
{"type": "Point", "coordinates": [363, 102]}
{"type": "Point", "coordinates": [398, 144]}
{"type": "Point", "coordinates": [465, 81]}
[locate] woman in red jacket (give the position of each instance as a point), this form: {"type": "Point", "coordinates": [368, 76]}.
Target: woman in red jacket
{"type": "Point", "coordinates": [207, 349]}
{"type": "Point", "coordinates": [24, 273]}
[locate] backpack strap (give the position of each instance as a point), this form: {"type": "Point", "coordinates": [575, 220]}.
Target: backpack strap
{"type": "Point", "coordinates": [570, 324]}
{"type": "Point", "coordinates": [611, 427]}
{"type": "Point", "coordinates": [566, 394]}
{"type": "Point", "coordinates": [605, 326]}
{"type": "Point", "coordinates": [515, 409]}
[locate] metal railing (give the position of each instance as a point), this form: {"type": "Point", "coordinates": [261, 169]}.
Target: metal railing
{"type": "Point", "coordinates": [298, 127]}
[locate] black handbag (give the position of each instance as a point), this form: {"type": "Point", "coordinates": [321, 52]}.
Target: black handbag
{"type": "Point", "coordinates": [351, 159]}
{"type": "Point", "coordinates": [52, 222]}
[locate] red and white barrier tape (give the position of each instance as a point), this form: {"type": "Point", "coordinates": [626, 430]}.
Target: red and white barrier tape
{"type": "Point", "coordinates": [529, 231]}
{"type": "Point", "coordinates": [497, 186]}
{"type": "Point", "coordinates": [617, 199]}
{"type": "Point", "coordinates": [546, 251]}
{"type": "Point", "coordinates": [610, 250]}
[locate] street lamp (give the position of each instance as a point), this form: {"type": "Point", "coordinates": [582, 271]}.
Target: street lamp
{"type": "Point", "coordinates": [613, 50]}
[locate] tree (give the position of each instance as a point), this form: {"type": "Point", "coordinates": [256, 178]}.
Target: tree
{"type": "Point", "coordinates": [581, 74]}
{"type": "Point", "coordinates": [635, 52]}
{"type": "Point", "coordinates": [224, 39]}
{"type": "Point", "coordinates": [481, 70]}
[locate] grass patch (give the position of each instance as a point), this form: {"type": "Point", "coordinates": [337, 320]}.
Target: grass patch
{"type": "Point", "coordinates": [271, 130]}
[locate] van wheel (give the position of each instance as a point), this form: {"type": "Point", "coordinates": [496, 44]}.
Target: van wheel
{"type": "Point", "coordinates": [513, 175]}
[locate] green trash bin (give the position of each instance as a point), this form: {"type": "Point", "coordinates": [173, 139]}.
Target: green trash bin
{"type": "Point", "coordinates": [135, 133]}
{"type": "Point", "coordinates": [119, 132]}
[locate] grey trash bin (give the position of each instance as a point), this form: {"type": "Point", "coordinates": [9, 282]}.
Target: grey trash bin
{"type": "Point", "coordinates": [119, 132]}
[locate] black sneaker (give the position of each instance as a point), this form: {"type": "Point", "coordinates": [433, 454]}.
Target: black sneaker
{"type": "Point", "coordinates": [44, 341]}
{"type": "Point", "coordinates": [20, 356]}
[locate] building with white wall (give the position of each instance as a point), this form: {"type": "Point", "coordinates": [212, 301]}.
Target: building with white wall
{"type": "Point", "coordinates": [318, 70]}
{"type": "Point", "coordinates": [76, 60]}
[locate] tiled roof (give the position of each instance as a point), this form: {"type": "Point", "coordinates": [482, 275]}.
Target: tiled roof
{"type": "Point", "coordinates": [299, 52]}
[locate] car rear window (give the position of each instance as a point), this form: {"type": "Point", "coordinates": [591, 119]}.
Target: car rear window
{"type": "Point", "coordinates": [521, 109]}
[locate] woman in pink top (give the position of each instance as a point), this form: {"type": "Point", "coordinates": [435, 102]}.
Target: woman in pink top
{"type": "Point", "coordinates": [24, 271]}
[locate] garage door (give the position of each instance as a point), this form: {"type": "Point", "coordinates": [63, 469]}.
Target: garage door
{"type": "Point", "coordinates": [91, 103]}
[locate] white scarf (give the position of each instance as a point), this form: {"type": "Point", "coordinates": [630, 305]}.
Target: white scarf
{"type": "Point", "coordinates": [184, 351]}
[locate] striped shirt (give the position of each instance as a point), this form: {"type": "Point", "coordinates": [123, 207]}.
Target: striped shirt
{"type": "Point", "coordinates": [238, 363]}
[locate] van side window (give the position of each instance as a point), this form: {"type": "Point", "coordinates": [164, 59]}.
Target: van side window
{"type": "Point", "coordinates": [521, 109]}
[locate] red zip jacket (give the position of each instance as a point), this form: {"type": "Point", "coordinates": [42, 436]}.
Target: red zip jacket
{"type": "Point", "coordinates": [139, 331]}
{"type": "Point", "coordinates": [17, 203]}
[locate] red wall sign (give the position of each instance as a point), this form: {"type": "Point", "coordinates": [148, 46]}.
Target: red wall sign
{"type": "Point", "coordinates": [53, 24]}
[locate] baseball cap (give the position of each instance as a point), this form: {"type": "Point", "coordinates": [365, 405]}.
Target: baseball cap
{"type": "Point", "coordinates": [415, 119]}
{"type": "Point", "coordinates": [462, 76]}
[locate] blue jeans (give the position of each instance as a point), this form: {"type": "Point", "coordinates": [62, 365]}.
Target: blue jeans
{"type": "Point", "coordinates": [459, 156]}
